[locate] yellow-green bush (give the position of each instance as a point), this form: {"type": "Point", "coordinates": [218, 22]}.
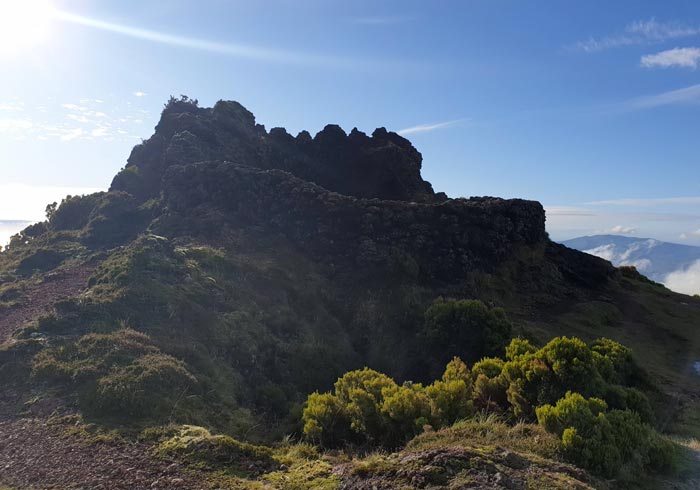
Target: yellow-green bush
{"type": "Point", "coordinates": [369, 407]}
{"type": "Point", "coordinates": [604, 441]}
{"type": "Point", "coordinates": [603, 429]}
{"type": "Point", "coordinates": [537, 377]}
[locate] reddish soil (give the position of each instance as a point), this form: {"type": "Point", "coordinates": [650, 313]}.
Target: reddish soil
{"type": "Point", "coordinates": [38, 456]}
{"type": "Point", "coordinates": [39, 300]}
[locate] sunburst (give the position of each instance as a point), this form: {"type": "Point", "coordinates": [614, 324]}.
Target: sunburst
{"type": "Point", "coordinates": [24, 24]}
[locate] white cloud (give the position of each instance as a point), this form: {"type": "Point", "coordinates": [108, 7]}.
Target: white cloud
{"type": "Point", "coordinates": [565, 222]}
{"type": "Point", "coordinates": [685, 281]}
{"type": "Point", "coordinates": [88, 120]}
{"type": "Point", "coordinates": [654, 30]}
{"type": "Point", "coordinates": [567, 211]}
{"type": "Point", "coordinates": [9, 228]}
{"type": "Point", "coordinates": [606, 252]}
{"type": "Point", "coordinates": [683, 96]}
{"type": "Point", "coordinates": [11, 106]}
{"type": "Point", "coordinates": [16, 126]}
{"type": "Point", "coordinates": [140, 94]}
{"type": "Point", "coordinates": [676, 57]}
{"type": "Point", "coordinates": [646, 201]}
{"type": "Point", "coordinates": [623, 230]}
{"type": "Point", "coordinates": [641, 265]}
{"type": "Point", "coordinates": [71, 134]}
{"type": "Point", "coordinates": [74, 107]}
{"type": "Point", "coordinates": [28, 202]}
{"type": "Point", "coordinates": [639, 32]}
{"type": "Point", "coordinates": [689, 234]}
{"type": "Point", "coordinates": [425, 128]}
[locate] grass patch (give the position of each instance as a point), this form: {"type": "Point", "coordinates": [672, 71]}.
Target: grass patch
{"type": "Point", "coordinates": [199, 447]}
{"type": "Point", "coordinates": [490, 431]}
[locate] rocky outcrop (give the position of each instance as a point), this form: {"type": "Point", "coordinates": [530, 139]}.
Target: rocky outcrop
{"type": "Point", "coordinates": [341, 198]}
{"type": "Point", "coordinates": [383, 165]}
{"type": "Point", "coordinates": [447, 239]}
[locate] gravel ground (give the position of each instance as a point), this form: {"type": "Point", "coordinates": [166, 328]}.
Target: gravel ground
{"type": "Point", "coordinates": [35, 455]}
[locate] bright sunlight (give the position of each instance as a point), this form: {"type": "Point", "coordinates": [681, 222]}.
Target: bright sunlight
{"type": "Point", "coordinates": [24, 24]}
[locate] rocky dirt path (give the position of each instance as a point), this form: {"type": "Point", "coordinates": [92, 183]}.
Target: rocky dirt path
{"type": "Point", "coordinates": [39, 299]}
{"type": "Point", "coordinates": [38, 456]}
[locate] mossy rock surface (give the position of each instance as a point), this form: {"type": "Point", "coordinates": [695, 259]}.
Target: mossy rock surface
{"type": "Point", "coordinates": [198, 446]}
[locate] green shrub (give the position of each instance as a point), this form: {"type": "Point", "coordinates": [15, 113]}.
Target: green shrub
{"type": "Point", "coordinates": [326, 420]}
{"type": "Point", "coordinates": [74, 212]}
{"type": "Point", "coordinates": [491, 367]}
{"type": "Point", "coordinates": [490, 394]}
{"type": "Point", "coordinates": [457, 370]}
{"type": "Point", "coordinates": [538, 377]}
{"type": "Point", "coordinates": [371, 408]}
{"type": "Point", "coordinates": [604, 441]}
{"type": "Point", "coordinates": [130, 180]}
{"type": "Point", "coordinates": [465, 328]}
{"type": "Point", "coordinates": [406, 410]}
{"type": "Point", "coordinates": [519, 347]}
{"type": "Point", "coordinates": [114, 220]}
{"type": "Point", "coordinates": [616, 363]}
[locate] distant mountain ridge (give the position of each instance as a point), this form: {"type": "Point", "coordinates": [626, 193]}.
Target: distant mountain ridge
{"type": "Point", "coordinates": [653, 258]}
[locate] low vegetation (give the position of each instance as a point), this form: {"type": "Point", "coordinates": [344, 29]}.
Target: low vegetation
{"type": "Point", "coordinates": [198, 446]}
{"type": "Point", "coordinates": [369, 408]}
{"type": "Point", "coordinates": [119, 374]}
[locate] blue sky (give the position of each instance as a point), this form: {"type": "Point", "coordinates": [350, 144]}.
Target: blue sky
{"type": "Point", "coordinates": [590, 107]}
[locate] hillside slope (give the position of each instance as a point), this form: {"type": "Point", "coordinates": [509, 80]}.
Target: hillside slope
{"type": "Point", "coordinates": [231, 271]}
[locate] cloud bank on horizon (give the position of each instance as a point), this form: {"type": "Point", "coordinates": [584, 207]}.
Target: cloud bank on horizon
{"type": "Point", "coordinates": [686, 281]}
{"type": "Point", "coordinates": [674, 265]}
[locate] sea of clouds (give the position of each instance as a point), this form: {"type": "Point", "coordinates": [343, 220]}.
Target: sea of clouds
{"type": "Point", "coordinates": [685, 281]}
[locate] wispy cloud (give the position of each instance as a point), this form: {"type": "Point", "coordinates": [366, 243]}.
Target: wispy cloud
{"type": "Point", "coordinates": [381, 19]}
{"type": "Point", "coordinates": [12, 106]}
{"type": "Point", "coordinates": [676, 57]}
{"type": "Point", "coordinates": [689, 234]}
{"type": "Point", "coordinates": [567, 211]}
{"type": "Point", "coordinates": [238, 50]}
{"type": "Point", "coordinates": [646, 202]}
{"type": "Point", "coordinates": [15, 126]}
{"type": "Point", "coordinates": [687, 96]}
{"type": "Point", "coordinates": [426, 128]}
{"type": "Point", "coordinates": [622, 217]}
{"type": "Point", "coordinates": [87, 119]}
{"type": "Point", "coordinates": [622, 230]}
{"type": "Point", "coordinates": [639, 32]}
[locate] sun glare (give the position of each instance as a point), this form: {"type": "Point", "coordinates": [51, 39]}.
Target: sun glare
{"type": "Point", "coordinates": [23, 24]}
